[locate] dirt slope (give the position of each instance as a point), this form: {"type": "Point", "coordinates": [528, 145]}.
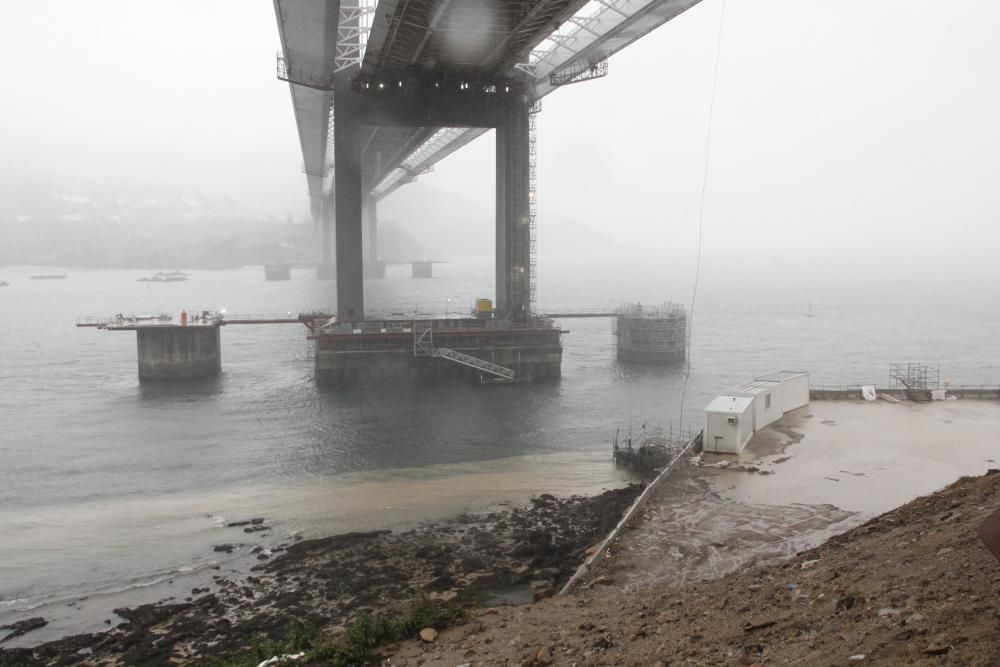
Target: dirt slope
{"type": "Point", "coordinates": [914, 586]}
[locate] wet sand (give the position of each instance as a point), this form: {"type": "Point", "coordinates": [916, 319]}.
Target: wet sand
{"type": "Point", "coordinates": [866, 457]}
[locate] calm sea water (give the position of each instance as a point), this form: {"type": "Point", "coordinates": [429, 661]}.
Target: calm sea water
{"type": "Point", "coordinates": [108, 486]}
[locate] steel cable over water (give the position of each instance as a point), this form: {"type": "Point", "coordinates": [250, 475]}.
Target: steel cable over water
{"type": "Point", "coordinates": [701, 210]}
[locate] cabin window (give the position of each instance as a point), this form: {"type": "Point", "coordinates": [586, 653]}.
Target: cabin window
{"type": "Point", "coordinates": [767, 401]}
{"type": "Point", "coordinates": [732, 420]}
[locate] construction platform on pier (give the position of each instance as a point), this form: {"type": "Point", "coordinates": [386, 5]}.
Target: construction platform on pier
{"type": "Point", "coordinates": [190, 347]}
{"type": "Point", "coordinates": [473, 349]}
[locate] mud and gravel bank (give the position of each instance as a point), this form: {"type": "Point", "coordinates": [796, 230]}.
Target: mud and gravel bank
{"type": "Point", "coordinates": [516, 555]}
{"type": "Point", "coordinates": [913, 586]}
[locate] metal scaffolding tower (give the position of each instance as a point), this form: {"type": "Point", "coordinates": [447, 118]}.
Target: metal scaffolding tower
{"type": "Point", "coordinates": [655, 335]}
{"type": "Point", "coordinates": [532, 204]}
{"type": "Point", "coordinates": [910, 375]}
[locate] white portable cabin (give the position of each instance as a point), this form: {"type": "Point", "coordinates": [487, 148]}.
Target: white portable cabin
{"type": "Point", "coordinates": [794, 388]}
{"type": "Point", "coordinates": [728, 424]}
{"type": "Point", "coordinates": [768, 405]}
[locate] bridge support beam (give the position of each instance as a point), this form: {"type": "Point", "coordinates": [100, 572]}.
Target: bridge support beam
{"type": "Point", "coordinates": [374, 268]}
{"type": "Point", "coordinates": [513, 230]}
{"type": "Point", "coordinates": [348, 197]}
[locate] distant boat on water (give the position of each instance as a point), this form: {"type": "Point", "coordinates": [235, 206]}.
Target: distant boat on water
{"type": "Point", "coordinates": [49, 276]}
{"type": "Point", "coordinates": [165, 277]}
{"type": "Point", "coordinates": [162, 278]}
{"type": "Point", "coordinates": [4, 283]}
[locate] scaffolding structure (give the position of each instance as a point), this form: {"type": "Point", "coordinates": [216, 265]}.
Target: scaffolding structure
{"type": "Point", "coordinates": [532, 205]}
{"type": "Point", "coordinates": [910, 375]}
{"type": "Point", "coordinates": [651, 334]}
{"type": "Point", "coordinates": [579, 71]}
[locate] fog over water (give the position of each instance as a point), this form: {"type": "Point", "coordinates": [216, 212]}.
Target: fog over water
{"type": "Point", "coordinates": [837, 126]}
{"type": "Point", "coordinates": [853, 172]}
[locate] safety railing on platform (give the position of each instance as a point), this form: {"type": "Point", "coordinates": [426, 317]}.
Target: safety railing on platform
{"type": "Point", "coordinates": [105, 322]}
{"type": "Point", "coordinates": [320, 79]}
{"type": "Point", "coordinates": [597, 311]}
{"type": "Point", "coordinates": [371, 326]}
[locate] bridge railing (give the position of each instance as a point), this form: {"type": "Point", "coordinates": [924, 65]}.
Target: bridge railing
{"type": "Point", "coordinates": [408, 326]}
{"type": "Point", "coordinates": [597, 311]}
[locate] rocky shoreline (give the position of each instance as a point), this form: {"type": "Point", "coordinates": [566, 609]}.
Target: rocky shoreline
{"type": "Point", "coordinates": [517, 555]}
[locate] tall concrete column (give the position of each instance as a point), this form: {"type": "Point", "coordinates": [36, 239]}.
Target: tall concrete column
{"type": "Point", "coordinates": [348, 194]}
{"type": "Point", "coordinates": [374, 268]}
{"type": "Point", "coordinates": [316, 213]}
{"type": "Point", "coordinates": [326, 269]}
{"type": "Point", "coordinates": [513, 233]}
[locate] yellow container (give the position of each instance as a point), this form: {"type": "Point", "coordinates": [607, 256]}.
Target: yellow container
{"type": "Point", "coordinates": [484, 306]}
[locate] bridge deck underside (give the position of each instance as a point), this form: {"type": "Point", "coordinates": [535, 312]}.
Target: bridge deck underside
{"type": "Point", "coordinates": [386, 148]}
{"type": "Point", "coordinates": [478, 36]}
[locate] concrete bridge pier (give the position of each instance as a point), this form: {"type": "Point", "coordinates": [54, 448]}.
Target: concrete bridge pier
{"type": "Point", "coordinates": [422, 269]}
{"type": "Point", "coordinates": [374, 267]}
{"type": "Point", "coordinates": [348, 199]}
{"type": "Point", "coordinates": [175, 352]}
{"type": "Point", "coordinates": [326, 270]}
{"type": "Point", "coordinates": [316, 213]}
{"type": "Point", "coordinates": [513, 229]}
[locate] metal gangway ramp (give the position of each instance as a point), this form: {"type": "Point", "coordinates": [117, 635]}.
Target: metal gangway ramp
{"type": "Point", "coordinates": [423, 346]}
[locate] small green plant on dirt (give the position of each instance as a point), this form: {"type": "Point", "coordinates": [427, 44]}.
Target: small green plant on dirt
{"type": "Point", "coordinates": [367, 633]}
{"type": "Point", "coordinates": [298, 639]}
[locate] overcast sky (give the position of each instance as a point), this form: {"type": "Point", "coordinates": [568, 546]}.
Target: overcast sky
{"type": "Point", "coordinates": [838, 125]}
